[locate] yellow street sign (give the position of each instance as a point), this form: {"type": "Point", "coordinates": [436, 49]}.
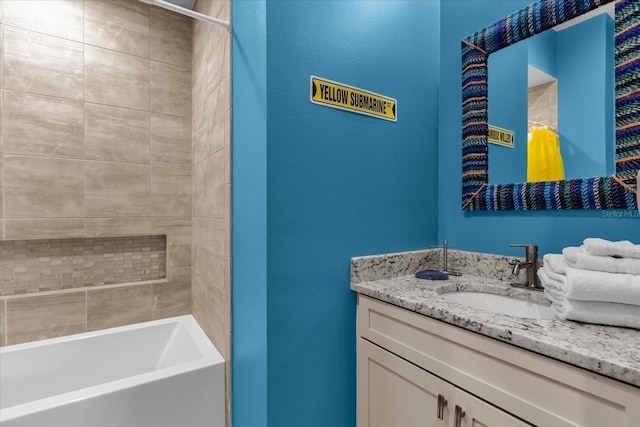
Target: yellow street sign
{"type": "Point", "coordinates": [344, 97]}
{"type": "Point", "coordinates": [500, 136]}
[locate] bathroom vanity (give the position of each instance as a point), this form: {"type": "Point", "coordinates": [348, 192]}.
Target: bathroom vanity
{"type": "Point", "coordinates": [427, 361]}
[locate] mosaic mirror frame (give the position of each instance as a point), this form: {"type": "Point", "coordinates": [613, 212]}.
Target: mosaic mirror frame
{"type": "Point", "coordinates": [604, 192]}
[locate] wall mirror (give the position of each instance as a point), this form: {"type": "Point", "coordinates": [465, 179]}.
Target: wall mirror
{"type": "Point", "coordinates": [611, 187]}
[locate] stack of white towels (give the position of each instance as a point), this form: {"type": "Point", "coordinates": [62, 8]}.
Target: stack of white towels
{"type": "Point", "coordinates": [598, 282]}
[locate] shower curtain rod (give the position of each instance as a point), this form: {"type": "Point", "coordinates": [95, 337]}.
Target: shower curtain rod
{"type": "Point", "coordinates": [188, 12]}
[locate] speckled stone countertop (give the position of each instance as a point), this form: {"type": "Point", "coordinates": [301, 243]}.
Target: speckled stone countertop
{"type": "Point", "coordinates": [610, 351]}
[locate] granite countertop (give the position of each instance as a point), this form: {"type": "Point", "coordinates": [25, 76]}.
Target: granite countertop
{"type": "Point", "coordinates": [610, 351]}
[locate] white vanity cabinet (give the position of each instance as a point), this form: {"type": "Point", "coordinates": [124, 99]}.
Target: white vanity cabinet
{"type": "Point", "coordinates": [410, 364]}
{"type": "Point", "coordinates": [394, 392]}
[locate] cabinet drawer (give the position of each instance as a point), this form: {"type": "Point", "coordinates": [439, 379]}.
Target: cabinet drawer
{"type": "Point", "coordinates": [536, 388]}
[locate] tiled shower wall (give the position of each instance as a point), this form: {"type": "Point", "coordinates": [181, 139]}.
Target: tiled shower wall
{"type": "Point", "coordinates": [45, 265]}
{"type": "Point", "coordinates": [95, 108]}
{"type": "Point", "coordinates": [542, 102]}
{"type": "Point", "coordinates": [212, 179]}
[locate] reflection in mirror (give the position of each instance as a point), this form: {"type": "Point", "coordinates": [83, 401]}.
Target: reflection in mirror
{"type": "Point", "coordinates": [591, 190]}
{"type": "Point", "coordinates": [555, 88]}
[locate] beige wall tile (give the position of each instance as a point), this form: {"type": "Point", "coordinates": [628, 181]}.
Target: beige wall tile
{"type": "Point", "coordinates": [210, 126]}
{"type": "Point", "coordinates": [170, 37]}
{"type": "Point", "coordinates": [43, 187]}
{"type": "Point", "coordinates": [1, 189]}
{"type": "Point", "coordinates": [542, 103]}
{"type": "Point", "coordinates": [170, 140]}
{"type": "Point", "coordinates": [117, 25]}
{"type": "Point", "coordinates": [211, 154]}
{"type": "Point", "coordinates": [117, 226]}
{"type": "Point", "coordinates": [115, 78]}
{"type": "Point", "coordinates": [178, 232]}
{"type": "Point", "coordinates": [173, 298]}
{"type": "Point", "coordinates": [226, 65]}
{"type": "Point", "coordinates": [208, 187]}
{"type": "Point", "coordinates": [216, 110]}
{"type": "Point", "coordinates": [209, 248]}
{"type": "Point", "coordinates": [7, 278]}
{"type": "Point", "coordinates": [218, 308]}
{"type": "Point", "coordinates": [198, 37]}
{"type": "Point", "coordinates": [116, 134]}
{"type": "Point", "coordinates": [116, 190]}
{"type": "Point", "coordinates": [227, 218]}
{"type": "Point", "coordinates": [227, 275]}
{"type": "Point", "coordinates": [2, 316]}
{"type": "Point", "coordinates": [215, 69]}
{"type": "Point", "coordinates": [170, 191]}
{"type": "Point", "coordinates": [198, 60]}
{"type": "Point", "coordinates": [119, 306]}
{"type": "Point", "coordinates": [213, 268]}
{"type": "Point", "coordinates": [170, 89]}
{"type": "Point", "coordinates": [228, 152]}
{"type": "Point", "coordinates": [42, 64]}
{"type": "Point", "coordinates": [199, 128]}
{"type": "Point", "coordinates": [62, 18]}
{"type": "Point", "coordinates": [1, 91]}
{"type": "Point", "coordinates": [43, 228]}
{"type": "Point", "coordinates": [45, 316]}
{"type": "Point", "coordinates": [199, 299]}
{"type": "Point", "coordinates": [210, 7]}
{"type": "Point", "coordinates": [42, 125]}
{"type": "Point", "coordinates": [208, 64]}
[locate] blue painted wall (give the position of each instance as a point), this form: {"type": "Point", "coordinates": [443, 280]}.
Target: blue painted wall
{"type": "Point", "coordinates": [493, 231]}
{"type": "Point", "coordinates": [314, 186]}
{"type": "Point", "coordinates": [249, 207]}
{"type": "Point", "coordinates": [543, 51]}
{"type": "Point", "coordinates": [338, 185]}
{"type": "Point", "coordinates": [508, 74]}
{"type": "Point", "coordinates": [585, 93]}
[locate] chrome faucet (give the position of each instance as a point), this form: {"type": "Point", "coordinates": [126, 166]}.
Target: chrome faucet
{"type": "Point", "coordinates": [445, 260]}
{"type": "Point", "coordinates": [531, 265]}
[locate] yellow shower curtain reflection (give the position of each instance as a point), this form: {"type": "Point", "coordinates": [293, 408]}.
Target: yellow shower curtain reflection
{"type": "Point", "coordinates": [544, 160]}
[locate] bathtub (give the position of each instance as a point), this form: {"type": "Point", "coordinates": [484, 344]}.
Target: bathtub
{"type": "Point", "coordinates": [160, 373]}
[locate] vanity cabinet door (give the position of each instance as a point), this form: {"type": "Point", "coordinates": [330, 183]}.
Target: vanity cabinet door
{"type": "Point", "coordinates": [535, 388]}
{"type": "Point", "coordinates": [474, 412]}
{"type": "Point", "coordinates": [393, 392]}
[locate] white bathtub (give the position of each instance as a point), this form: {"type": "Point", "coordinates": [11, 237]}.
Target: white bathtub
{"type": "Point", "coordinates": [159, 373]}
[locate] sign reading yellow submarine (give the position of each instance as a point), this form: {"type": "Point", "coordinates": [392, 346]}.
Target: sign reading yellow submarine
{"type": "Point", "coordinates": [500, 136]}
{"type": "Point", "coordinates": [338, 95]}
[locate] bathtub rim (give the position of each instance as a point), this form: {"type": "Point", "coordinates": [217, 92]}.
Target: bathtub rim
{"type": "Point", "coordinates": [210, 357]}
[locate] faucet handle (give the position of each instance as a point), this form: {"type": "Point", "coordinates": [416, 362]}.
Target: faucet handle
{"type": "Point", "coordinates": [530, 250]}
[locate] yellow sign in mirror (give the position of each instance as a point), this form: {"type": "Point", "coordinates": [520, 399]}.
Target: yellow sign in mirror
{"type": "Point", "coordinates": [500, 136]}
{"type": "Point", "coordinates": [349, 98]}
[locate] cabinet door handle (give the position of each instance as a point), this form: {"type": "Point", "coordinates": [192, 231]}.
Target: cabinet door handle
{"type": "Point", "coordinates": [458, 416]}
{"type": "Point", "coordinates": [442, 403]}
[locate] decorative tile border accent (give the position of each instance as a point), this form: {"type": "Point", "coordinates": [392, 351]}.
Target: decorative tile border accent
{"type": "Point", "coordinates": [29, 266]}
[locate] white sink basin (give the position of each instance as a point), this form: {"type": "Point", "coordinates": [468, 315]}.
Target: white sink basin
{"type": "Point", "coordinates": [501, 304]}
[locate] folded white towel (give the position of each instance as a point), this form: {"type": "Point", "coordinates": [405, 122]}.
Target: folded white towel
{"type": "Point", "coordinates": [602, 247]}
{"type": "Point", "coordinates": [588, 285]}
{"type": "Point", "coordinates": [603, 313]}
{"type": "Point", "coordinates": [578, 258]}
